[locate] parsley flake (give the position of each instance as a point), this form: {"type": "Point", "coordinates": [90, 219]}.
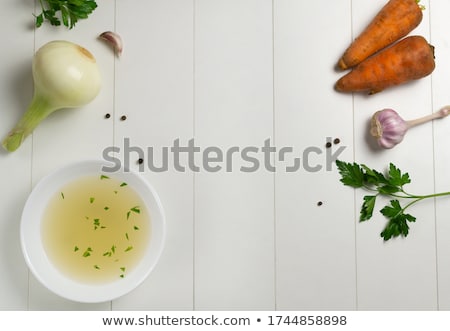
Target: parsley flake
{"type": "Point", "coordinates": [87, 252]}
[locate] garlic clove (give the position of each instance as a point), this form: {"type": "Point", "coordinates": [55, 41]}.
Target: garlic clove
{"type": "Point", "coordinates": [388, 128]}
{"type": "Point", "coordinates": [114, 40]}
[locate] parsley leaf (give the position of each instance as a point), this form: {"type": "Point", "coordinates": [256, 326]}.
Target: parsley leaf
{"type": "Point", "coordinates": [397, 225]}
{"type": "Point", "coordinates": [373, 177]}
{"type": "Point", "coordinates": [396, 177]}
{"type": "Point", "coordinates": [367, 207]}
{"type": "Point", "coordinates": [69, 11]}
{"type": "Point", "coordinates": [352, 174]}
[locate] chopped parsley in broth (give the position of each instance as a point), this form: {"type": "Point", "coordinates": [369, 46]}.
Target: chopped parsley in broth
{"type": "Point", "coordinates": [95, 229]}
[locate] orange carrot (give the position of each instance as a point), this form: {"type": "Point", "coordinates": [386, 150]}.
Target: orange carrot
{"type": "Point", "coordinates": [394, 21]}
{"type": "Point", "coordinates": [409, 59]}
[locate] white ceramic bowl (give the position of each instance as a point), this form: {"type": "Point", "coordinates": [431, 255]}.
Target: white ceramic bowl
{"type": "Point", "coordinates": [48, 274]}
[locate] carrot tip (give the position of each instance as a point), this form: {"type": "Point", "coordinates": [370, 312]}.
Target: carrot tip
{"type": "Point", "coordinates": [342, 65]}
{"type": "Point", "coordinates": [338, 86]}
{"type": "Point", "coordinates": [375, 91]}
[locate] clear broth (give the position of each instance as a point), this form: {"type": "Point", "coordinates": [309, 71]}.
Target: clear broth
{"type": "Point", "coordinates": [95, 229]}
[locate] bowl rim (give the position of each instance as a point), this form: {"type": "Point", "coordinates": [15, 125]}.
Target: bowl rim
{"type": "Point", "coordinates": [42, 267]}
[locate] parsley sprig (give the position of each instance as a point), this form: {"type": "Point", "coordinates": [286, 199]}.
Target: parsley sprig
{"type": "Point", "coordinates": [69, 11]}
{"type": "Point", "coordinates": [379, 184]}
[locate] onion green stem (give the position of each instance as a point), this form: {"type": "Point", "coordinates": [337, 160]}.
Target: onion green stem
{"type": "Point", "coordinates": [38, 110]}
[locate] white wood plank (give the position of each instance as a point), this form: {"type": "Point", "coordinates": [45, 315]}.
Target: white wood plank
{"type": "Point", "coordinates": [72, 135]}
{"type": "Point", "coordinates": [389, 273]}
{"type": "Point", "coordinates": [154, 89]}
{"type": "Point", "coordinates": [315, 244]}
{"type": "Point", "coordinates": [234, 215]}
{"type": "Point", "coordinates": [439, 38]}
{"type": "Point", "coordinates": [15, 174]}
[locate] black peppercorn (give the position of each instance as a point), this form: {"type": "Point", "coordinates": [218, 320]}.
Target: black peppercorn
{"type": "Point", "coordinates": [123, 118]}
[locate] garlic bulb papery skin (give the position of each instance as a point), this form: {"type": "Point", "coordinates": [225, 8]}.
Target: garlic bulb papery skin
{"type": "Point", "coordinates": [388, 128]}
{"type": "Point", "coordinates": [65, 75]}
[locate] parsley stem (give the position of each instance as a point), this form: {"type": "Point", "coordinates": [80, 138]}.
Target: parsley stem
{"type": "Point", "coordinates": [412, 202]}
{"type": "Point", "coordinates": [421, 197]}
{"type": "Point", "coordinates": [406, 196]}
{"type": "Point", "coordinates": [435, 195]}
{"type": "Point", "coordinates": [369, 188]}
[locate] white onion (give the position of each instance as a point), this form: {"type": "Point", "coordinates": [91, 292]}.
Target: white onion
{"type": "Point", "coordinates": [65, 75]}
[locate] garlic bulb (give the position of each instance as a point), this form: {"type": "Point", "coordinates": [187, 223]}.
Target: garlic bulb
{"type": "Point", "coordinates": [389, 129]}
{"type": "Point", "coordinates": [65, 75]}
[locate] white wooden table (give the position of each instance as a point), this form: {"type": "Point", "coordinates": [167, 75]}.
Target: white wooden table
{"type": "Point", "coordinates": [234, 73]}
